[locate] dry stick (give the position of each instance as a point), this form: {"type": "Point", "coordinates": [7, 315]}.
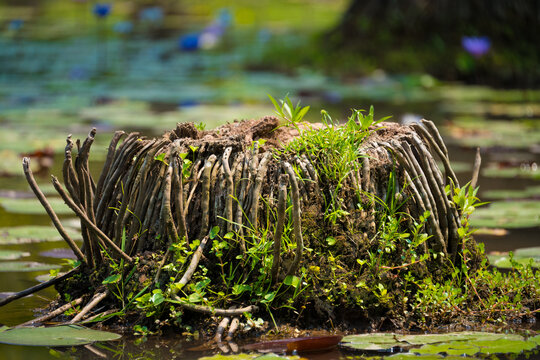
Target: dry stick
{"type": "Point", "coordinates": [476, 168]}
{"type": "Point", "coordinates": [95, 351]}
{"type": "Point", "coordinates": [409, 171]}
{"type": "Point", "coordinates": [232, 328]}
{"type": "Point", "coordinates": [436, 188]}
{"type": "Point", "coordinates": [166, 212]}
{"type": "Point", "coordinates": [430, 126]}
{"type": "Point", "coordinates": [116, 169]}
{"type": "Point", "coordinates": [39, 287]}
{"type": "Point", "coordinates": [230, 188]}
{"type": "Point", "coordinates": [281, 209]}
{"type": "Point", "coordinates": [297, 225]}
{"type": "Point", "coordinates": [221, 329]}
{"type": "Point", "coordinates": [179, 199]}
{"type": "Point", "coordinates": [151, 198]}
{"type": "Point", "coordinates": [214, 311]}
{"type": "Point", "coordinates": [35, 188]}
{"type": "Point", "coordinates": [240, 199]}
{"type": "Point", "coordinates": [108, 161]}
{"type": "Point", "coordinates": [205, 195]}
{"type": "Point", "coordinates": [407, 151]}
{"type": "Point", "coordinates": [70, 178]}
{"type": "Point", "coordinates": [366, 169]}
{"type": "Point", "coordinates": [192, 181]}
{"type": "Point", "coordinates": [192, 265]}
{"type": "Point", "coordinates": [130, 184]}
{"type": "Point", "coordinates": [92, 304]}
{"type": "Point", "coordinates": [111, 187]}
{"type": "Point", "coordinates": [438, 145]}
{"type": "Point", "coordinates": [451, 215]}
{"type": "Point", "coordinates": [84, 219]}
{"type": "Point", "coordinates": [53, 314]}
{"type": "Point", "coordinates": [423, 188]}
{"type": "Point", "coordinates": [196, 177]}
{"type": "Point", "coordinates": [312, 173]}
{"type": "Point", "coordinates": [256, 192]}
{"type": "Point", "coordinates": [237, 168]}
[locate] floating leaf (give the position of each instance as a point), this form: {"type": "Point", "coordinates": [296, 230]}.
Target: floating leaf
{"type": "Point", "coordinates": [249, 357]}
{"type": "Point", "coordinates": [60, 253]}
{"type": "Point", "coordinates": [25, 266]}
{"type": "Point", "coordinates": [28, 234]}
{"type": "Point", "coordinates": [33, 206]}
{"type": "Point", "coordinates": [528, 252]}
{"type": "Point", "coordinates": [455, 336]}
{"type": "Point", "coordinates": [508, 214]}
{"type": "Point", "coordinates": [12, 254]}
{"type": "Point", "coordinates": [503, 261]}
{"type": "Point", "coordinates": [472, 347]}
{"type": "Point", "coordinates": [65, 335]}
{"type": "Point", "coordinates": [375, 341]}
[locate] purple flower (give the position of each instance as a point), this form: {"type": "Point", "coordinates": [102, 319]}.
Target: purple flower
{"type": "Point", "coordinates": [102, 10]}
{"type": "Point", "coordinates": [477, 46]}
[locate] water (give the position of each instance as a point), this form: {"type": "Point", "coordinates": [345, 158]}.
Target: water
{"type": "Point", "coordinates": [148, 87]}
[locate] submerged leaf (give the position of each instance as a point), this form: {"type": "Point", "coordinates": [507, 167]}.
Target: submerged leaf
{"type": "Point", "coordinates": [65, 335]}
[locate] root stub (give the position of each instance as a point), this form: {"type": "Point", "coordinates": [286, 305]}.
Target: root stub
{"type": "Point", "coordinates": [271, 224]}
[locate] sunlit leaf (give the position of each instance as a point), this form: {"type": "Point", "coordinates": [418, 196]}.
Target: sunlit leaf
{"type": "Point", "coordinates": [65, 335]}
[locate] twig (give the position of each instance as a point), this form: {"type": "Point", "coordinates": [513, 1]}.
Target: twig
{"type": "Point", "coordinates": [214, 311]}
{"type": "Point", "coordinates": [193, 264]}
{"type": "Point", "coordinates": [92, 304]}
{"type": "Point", "coordinates": [70, 177]}
{"type": "Point", "coordinates": [43, 200]}
{"type": "Point", "coordinates": [179, 198]}
{"type": "Point", "coordinates": [476, 168]}
{"type": "Point", "coordinates": [256, 191]}
{"type": "Point", "coordinates": [53, 314]}
{"type": "Point", "coordinates": [39, 287]}
{"type": "Point", "coordinates": [230, 188]}
{"type": "Point", "coordinates": [297, 225]}
{"type": "Point", "coordinates": [281, 208]}
{"type": "Point", "coordinates": [232, 328]}
{"type": "Point", "coordinates": [108, 161]}
{"type": "Point", "coordinates": [166, 213]}
{"type": "Point", "coordinates": [87, 222]}
{"type": "Point", "coordinates": [221, 329]}
{"type": "Point", "coordinates": [205, 195]}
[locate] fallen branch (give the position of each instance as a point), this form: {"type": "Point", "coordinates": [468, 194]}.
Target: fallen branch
{"type": "Point", "coordinates": [35, 188]}
{"type": "Point", "coordinates": [213, 311]}
{"type": "Point", "coordinates": [39, 287]}
{"type": "Point", "coordinates": [92, 304]}
{"type": "Point", "coordinates": [193, 264]}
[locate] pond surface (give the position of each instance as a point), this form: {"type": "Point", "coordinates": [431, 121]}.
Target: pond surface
{"type": "Point", "coordinates": [148, 86]}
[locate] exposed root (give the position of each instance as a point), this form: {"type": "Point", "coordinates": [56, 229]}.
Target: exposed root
{"type": "Point", "coordinates": [89, 307]}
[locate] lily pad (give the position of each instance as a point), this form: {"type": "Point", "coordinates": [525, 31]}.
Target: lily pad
{"type": "Point", "coordinates": [65, 335]}
{"type": "Point", "coordinates": [372, 342]}
{"type": "Point", "coordinates": [523, 256]}
{"type": "Point", "coordinates": [60, 253]}
{"type": "Point", "coordinates": [33, 206]}
{"type": "Point", "coordinates": [30, 234]}
{"type": "Point", "coordinates": [25, 266]}
{"type": "Point", "coordinates": [249, 357]}
{"type": "Point", "coordinates": [472, 347]}
{"type": "Point", "coordinates": [12, 254]}
{"type": "Point", "coordinates": [508, 214]}
{"type": "Point", "coordinates": [456, 336]}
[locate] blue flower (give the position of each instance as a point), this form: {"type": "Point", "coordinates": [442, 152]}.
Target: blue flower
{"type": "Point", "coordinates": [102, 10]}
{"type": "Point", "coordinates": [477, 46]}
{"type": "Point", "coordinates": [189, 42]}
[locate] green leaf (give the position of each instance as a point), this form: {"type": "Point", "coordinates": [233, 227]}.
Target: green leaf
{"type": "Point", "coordinates": [213, 232]}
{"type": "Point", "coordinates": [292, 280]}
{"type": "Point", "coordinates": [330, 240]}
{"type": "Point", "coordinates": [112, 279]}
{"type": "Point", "coordinates": [157, 298]}
{"type": "Point", "coordinates": [64, 335]}
{"type": "Point", "coordinates": [375, 341]}
{"type": "Point", "coordinates": [195, 298]}
{"type": "Point", "coordinates": [240, 288]}
{"type": "Point", "coordinates": [33, 206]}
